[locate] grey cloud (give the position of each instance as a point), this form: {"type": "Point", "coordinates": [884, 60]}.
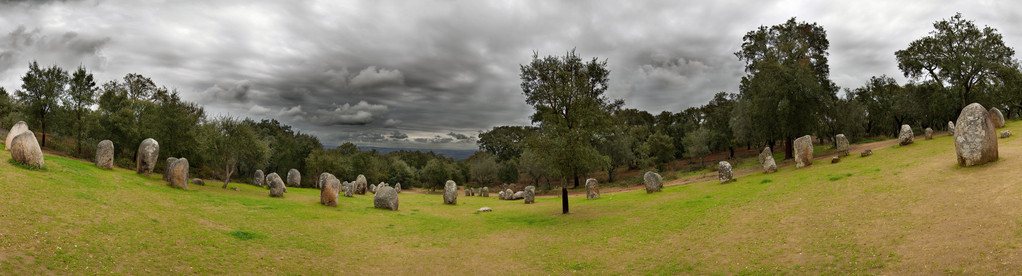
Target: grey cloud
{"type": "Point", "coordinates": [398, 135]}
{"type": "Point", "coordinates": [458, 136]}
{"type": "Point", "coordinates": [66, 49]}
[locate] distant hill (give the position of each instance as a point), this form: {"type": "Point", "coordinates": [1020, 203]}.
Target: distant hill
{"type": "Point", "coordinates": [458, 155]}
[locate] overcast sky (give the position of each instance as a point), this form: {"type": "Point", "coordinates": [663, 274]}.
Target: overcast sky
{"type": "Point", "coordinates": [432, 74]}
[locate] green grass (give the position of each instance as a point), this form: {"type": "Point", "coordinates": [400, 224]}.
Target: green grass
{"type": "Point", "coordinates": [887, 213]}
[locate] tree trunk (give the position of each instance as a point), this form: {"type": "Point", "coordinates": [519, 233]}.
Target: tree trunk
{"type": "Point", "coordinates": [789, 151]}
{"type": "Point", "coordinates": [576, 181]}
{"type": "Point", "coordinates": [227, 175]}
{"type": "Point", "coordinates": [732, 149]}
{"type": "Point", "coordinates": [610, 175]}
{"type": "Point", "coordinates": [42, 117]}
{"type": "Point", "coordinates": [564, 200]}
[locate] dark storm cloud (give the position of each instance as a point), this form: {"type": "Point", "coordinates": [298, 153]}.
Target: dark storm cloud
{"type": "Point", "coordinates": [422, 74]}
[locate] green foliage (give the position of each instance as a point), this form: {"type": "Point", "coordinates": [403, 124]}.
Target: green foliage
{"type": "Point", "coordinates": [508, 172]}
{"type": "Point", "coordinates": [245, 235]}
{"type": "Point", "coordinates": [80, 96]}
{"type": "Point", "coordinates": [41, 89]}
{"type": "Point", "coordinates": [232, 144]}
{"type": "Point", "coordinates": [505, 142]}
{"type": "Point", "coordinates": [483, 168]}
{"type": "Point", "coordinates": [959, 54]}
{"type": "Point", "coordinates": [435, 173]}
{"type": "Point", "coordinates": [571, 108]}
{"type": "Point", "coordinates": [697, 144]}
{"type": "Point", "coordinates": [535, 166]}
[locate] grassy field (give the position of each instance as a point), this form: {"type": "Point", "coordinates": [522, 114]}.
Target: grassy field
{"type": "Point", "coordinates": [904, 210]}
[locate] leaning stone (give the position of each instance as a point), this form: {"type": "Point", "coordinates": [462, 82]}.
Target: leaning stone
{"type": "Point", "coordinates": [803, 151]}
{"type": "Point", "coordinates": [1005, 133]}
{"type": "Point", "coordinates": [360, 184]}
{"type": "Point", "coordinates": [327, 196]}
{"type": "Point", "coordinates": [951, 128]}
{"type": "Point", "coordinates": [592, 188]}
{"type": "Point", "coordinates": [842, 145]}
{"type": "Point", "coordinates": [763, 154]}
{"type": "Point", "coordinates": [148, 153]}
{"type": "Point", "coordinates": [485, 209]}
{"type": "Point", "coordinates": [928, 133]}
{"type": "Point", "coordinates": [450, 193]}
{"type": "Point", "coordinates": [276, 185]}
{"type": "Point", "coordinates": [975, 137]}
{"type": "Point", "coordinates": [653, 182]}
{"type": "Point", "coordinates": [18, 128]}
{"type": "Point", "coordinates": [294, 178]}
{"type": "Point", "coordinates": [166, 171]}
{"type": "Point", "coordinates": [105, 154]}
{"type": "Point", "coordinates": [724, 173]}
{"type": "Point", "coordinates": [835, 160]}
{"type": "Point", "coordinates": [518, 195]}
{"type": "Point", "coordinates": [905, 136]}
{"type": "Point", "coordinates": [178, 173]}
{"type": "Point", "coordinates": [867, 153]}
{"type": "Point", "coordinates": [997, 117]}
{"type": "Point", "coordinates": [767, 160]}
{"type": "Point", "coordinates": [530, 194]}
{"type": "Point", "coordinates": [25, 149]}
{"type": "Point", "coordinates": [385, 198]}
{"type": "Point", "coordinates": [198, 181]}
{"type": "Point", "coordinates": [259, 179]}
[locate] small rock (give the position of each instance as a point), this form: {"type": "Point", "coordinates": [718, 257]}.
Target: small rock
{"type": "Point", "coordinates": [485, 209]}
{"type": "Point", "coordinates": [198, 181]}
{"type": "Point", "coordinates": [1005, 133]}
{"type": "Point", "coordinates": [835, 160]}
{"type": "Point", "coordinates": [867, 153]}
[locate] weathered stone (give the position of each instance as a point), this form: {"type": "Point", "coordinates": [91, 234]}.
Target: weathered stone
{"type": "Point", "coordinates": [928, 133]}
{"type": "Point", "coordinates": [653, 182]}
{"type": "Point", "coordinates": [468, 191]}
{"type": "Point", "coordinates": [530, 194]}
{"type": "Point", "coordinates": [360, 184]}
{"type": "Point", "coordinates": [321, 179]}
{"type": "Point", "coordinates": [509, 194]}
{"type": "Point", "coordinates": [996, 117]}
{"type": "Point", "coordinates": [485, 209]}
{"type": "Point", "coordinates": [867, 153]}
{"type": "Point", "coordinates": [327, 196]}
{"type": "Point", "coordinates": [803, 151]}
{"type": "Point", "coordinates": [951, 128]}
{"type": "Point", "coordinates": [148, 154]}
{"type": "Point", "coordinates": [276, 185]}
{"type": "Point", "coordinates": [1005, 133]}
{"type": "Point", "coordinates": [518, 195]}
{"type": "Point", "coordinates": [975, 137]}
{"type": "Point", "coordinates": [178, 173]}
{"type": "Point", "coordinates": [450, 192]}
{"type": "Point", "coordinates": [25, 149]}
{"type": "Point", "coordinates": [724, 173]}
{"type": "Point", "coordinates": [17, 129]}
{"type": "Point", "coordinates": [166, 171]}
{"type": "Point", "coordinates": [592, 188]}
{"type": "Point", "coordinates": [835, 160]}
{"type": "Point", "coordinates": [259, 179]}
{"type": "Point", "coordinates": [905, 136]}
{"type": "Point", "coordinates": [763, 154]}
{"type": "Point", "coordinates": [385, 198]}
{"type": "Point", "coordinates": [372, 188]}
{"type": "Point", "coordinates": [842, 145]}
{"type": "Point", "coordinates": [348, 188]}
{"type": "Point", "coordinates": [767, 160]}
{"type": "Point", "coordinates": [198, 181]}
{"type": "Point", "coordinates": [501, 195]}
{"type": "Point", "coordinates": [105, 154]}
{"type": "Point", "coordinates": [397, 187]}
{"type": "Point", "coordinates": [485, 192]}
{"type": "Point", "coordinates": [294, 178]}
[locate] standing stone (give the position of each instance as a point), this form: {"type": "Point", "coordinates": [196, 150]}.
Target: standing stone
{"type": "Point", "coordinates": [334, 184]}
{"type": "Point", "coordinates": [259, 179]}
{"type": "Point", "coordinates": [530, 194]}
{"type": "Point", "coordinates": [1005, 133]}
{"type": "Point", "coordinates": [276, 185]}
{"type": "Point", "coordinates": [724, 172]}
{"type": "Point", "coordinates": [450, 193]}
{"type": "Point", "coordinates": [25, 149]}
{"type": "Point", "coordinates": [767, 157]}
{"type": "Point", "coordinates": [653, 182]}
{"type": "Point", "coordinates": [592, 189]}
{"type": "Point", "coordinates": [385, 198]}
{"type": "Point", "coordinates": [294, 178]}
{"type": "Point", "coordinates": [975, 137]}
{"type": "Point", "coordinates": [148, 153]}
{"type": "Point", "coordinates": [327, 196]}
{"type": "Point", "coordinates": [360, 184]}
{"type": "Point", "coordinates": [397, 187]}
{"type": "Point", "coordinates": [867, 153]}
{"type": "Point", "coordinates": [842, 145]}
{"type": "Point", "coordinates": [178, 173]}
{"type": "Point", "coordinates": [17, 129]}
{"type": "Point", "coordinates": [509, 194]}
{"type": "Point", "coordinates": [166, 171]}
{"type": "Point", "coordinates": [803, 151]}
{"type": "Point", "coordinates": [906, 137]}
{"type": "Point", "coordinates": [468, 191]}
{"type": "Point", "coordinates": [349, 189]}
{"type": "Point", "coordinates": [501, 195]}
{"type": "Point", "coordinates": [997, 117]}
{"type": "Point", "coordinates": [321, 179]}
{"type": "Point", "coordinates": [372, 188]}
{"type": "Point", "coordinates": [105, 154]}
{"type": "Point", "coordinates": [951, 128]}
{"type": "Point", "coordinates": [486, 191]}
{"type": "Point", "coordinates": [928, 133]}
